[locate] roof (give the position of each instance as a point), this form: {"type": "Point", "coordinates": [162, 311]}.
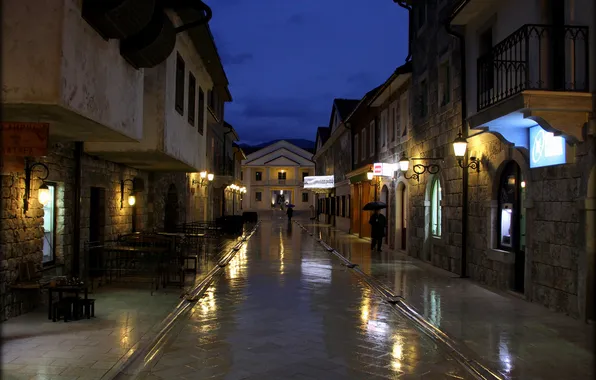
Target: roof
{"type": "Point", "coordinates": [231, 130]}
{"type": "Point", "coordinates": [365, 100]}
{"type": "Point", "coordinates": [406, 68]}
{"type": "Point", "coordinates": [345, 106]}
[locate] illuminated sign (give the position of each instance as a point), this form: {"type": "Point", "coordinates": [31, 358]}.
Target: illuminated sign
{"type": "Point", "coordinates": [546, 149]}
{"type": "Point", "coordinates": [319, 182]}
{"type": "Point", "coordinates": [384, 170]}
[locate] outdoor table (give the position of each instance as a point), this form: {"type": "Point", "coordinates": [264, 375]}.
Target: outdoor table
{"type": "Point", "coordinates": [60, 289]}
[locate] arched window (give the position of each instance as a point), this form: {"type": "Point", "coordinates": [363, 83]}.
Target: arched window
{"type": "Point", "coordinates": [435, 208]}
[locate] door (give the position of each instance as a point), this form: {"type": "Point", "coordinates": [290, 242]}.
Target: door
{"type": "Point", "coordinates": [512, 221]}
{"type": "Point", "coordinates": [97, 223]}
{"type": "Point", "coordinates": [403, 217]}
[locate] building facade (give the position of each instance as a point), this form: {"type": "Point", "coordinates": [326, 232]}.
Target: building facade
{"type": "Point", "coordinates": [332, 157]}
{"type": "Point", "coordinates": [274, 176]}
{"type": "Point", "coordinates": [106, 128]}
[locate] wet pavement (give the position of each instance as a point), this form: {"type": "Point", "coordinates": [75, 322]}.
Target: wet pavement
{"type": "Point", "coordinates": [126, 316]}
{"type": "Point", "coordinates": [518, 339]}
{"type": "Point", "coordinates": [286, 309]}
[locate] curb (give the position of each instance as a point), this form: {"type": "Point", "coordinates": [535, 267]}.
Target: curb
{"type": "Point", "coordinates": [141, 355]}
{"type": "Point", "coordinates": [398, 304]}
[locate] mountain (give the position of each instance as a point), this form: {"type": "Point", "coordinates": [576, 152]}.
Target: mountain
{"type": "Point", "coordinates": [300, 143]}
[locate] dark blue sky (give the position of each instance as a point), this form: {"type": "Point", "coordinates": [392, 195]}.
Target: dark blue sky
{"type": "Point", "coordinates": [287, 59]}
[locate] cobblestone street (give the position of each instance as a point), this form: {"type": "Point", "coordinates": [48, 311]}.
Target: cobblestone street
{"type": "Point", "coordinates": [287, 310]}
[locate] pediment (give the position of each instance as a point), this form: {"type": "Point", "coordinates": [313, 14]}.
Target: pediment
{"type": "Point", "coordinates": [278, 157]}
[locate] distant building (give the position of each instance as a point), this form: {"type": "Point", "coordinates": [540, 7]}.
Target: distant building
{"type": "Point", "coordinates": [274, 176]}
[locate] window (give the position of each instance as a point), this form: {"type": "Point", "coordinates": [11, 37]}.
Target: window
{"type": "Point", "coordinates": [281, 175]}
{"type": "Point", "coordinates": [201, 110]}
{"type": "Point", "coordinates": [49, 227]}
{"type": "Point", "coordinates": [258, 196]}
{"type": "Point", "coordinates": [372, 138]}
{"type": "Point", "coordinates": [404, 114]}
{"type": "Point", "coordinates": [241, 175]}
{"type": "Point", "coordinates": [444, 84]}
{"type": "Point", "coordinates": [435, 207]}
{"type": "Point", "coordinates": [394, 122]}
{"type": "Point", "coordinates": [304, 197]}
{"type": "Point", "coordinates": [356, 148]}
{"type": "Point", "coordinates": [423, 98]}
{"type": "Point", "coordinates": [180, 73]}
{"type": "Point", "coordinates": [192, 97]}
{"type": "Point", "coordinates": [343, 206]}
{"type": "Point", "coordinates": [258, 176]}
{"type": "Point", "coordinates": [364, 142]}
{"type": "Point", "coordinates": [304, 174]}
{"type": "Point", "coordinates": [383, 136]}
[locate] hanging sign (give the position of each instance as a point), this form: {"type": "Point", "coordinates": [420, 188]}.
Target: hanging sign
{"type": "Point", "coordinates": [384, 170]}
{"type": "Point", "coordinates": [24, 139]}
{"type": "Point", "coordinates": [319, 182]}
{"type": "Point", "coordinates": [546, 149]}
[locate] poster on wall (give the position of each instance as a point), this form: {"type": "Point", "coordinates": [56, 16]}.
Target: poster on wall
{"type": "Point", "coordinates": [546, 149]}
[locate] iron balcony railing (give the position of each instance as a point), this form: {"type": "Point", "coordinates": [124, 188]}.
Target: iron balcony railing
{"type": "Point", "coordinates": [535, 57]}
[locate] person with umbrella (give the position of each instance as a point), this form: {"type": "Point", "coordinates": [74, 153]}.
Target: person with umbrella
{"type": "Point", "coordinates": [377, 222]}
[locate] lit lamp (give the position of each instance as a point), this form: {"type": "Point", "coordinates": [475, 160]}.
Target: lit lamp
{"type": "Point", "coordinates": [418, 169]}
{"type": "Point", "coordinates": [459, 149]}
{"type": "Point", "coordinates": [203, 175]}
{"type": "Point", "coordinates": [370, 175]}
{"type": "Point", "coordinates": [44, 192]}
{"type": "Point", "coordinates": [131, 197]}
{"type": "Point", "coordinates": [404, 163]}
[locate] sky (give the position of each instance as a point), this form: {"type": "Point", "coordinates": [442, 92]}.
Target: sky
{"type": "Point", "coordinates": [286, 60]}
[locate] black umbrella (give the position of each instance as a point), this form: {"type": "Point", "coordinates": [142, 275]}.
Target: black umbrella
{"type": "Point", "coordinates": [372, 206]}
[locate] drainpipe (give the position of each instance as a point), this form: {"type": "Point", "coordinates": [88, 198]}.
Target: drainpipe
{"type": "Point", "coordinates": [76, 233]}
{"type": "Point", "coordinates": [402, 4]}
{"type": "Point", "coordinates": [464, 130]}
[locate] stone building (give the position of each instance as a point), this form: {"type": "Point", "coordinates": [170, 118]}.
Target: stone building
{"type": "Point", "coordinates": [515, 212]}
{"type": "Point", "coordinates": [332, 157]}
{"type": "Point", "coordinates": [274, 176]}
{"type": "Point", "coordinates": [391, 101]}
{"type": "Point", "coordinates": [364, 127]}
{"type": "Point", "coordinates": [118, 127]}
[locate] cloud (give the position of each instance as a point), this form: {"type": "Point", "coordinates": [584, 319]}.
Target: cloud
{"type": "Point", "coordinates": [235, 59]}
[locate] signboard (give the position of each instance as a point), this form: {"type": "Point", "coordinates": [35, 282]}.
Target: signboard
{"type": "Point", "coordinates": [24, 139]}
{"type": "Point", "coordinates": [384, 169]}
{"type": "Point", "coordinates": [319, 182]}
{"type": "Point", "coordinates": [546, 149]}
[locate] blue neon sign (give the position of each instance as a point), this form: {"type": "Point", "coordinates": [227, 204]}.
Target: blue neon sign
{"type": "Point", "coordinates": [546, 149]}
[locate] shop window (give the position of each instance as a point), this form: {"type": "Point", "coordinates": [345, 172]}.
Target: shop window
{"type": "Point", "coordinates": [179, 95]}
{"type": "Point", "coordinates": [435, 207]}
{"type": "Point", "coordinates": [509, 205]}
{"type": "Point", "coordinates": [258, 196]}
{"type": "Point", "coordinates": [49, 227]}
{"type": "Point", "coordinates": [304, 197]}
{"type": "Point", "coordinates": [258, 176]}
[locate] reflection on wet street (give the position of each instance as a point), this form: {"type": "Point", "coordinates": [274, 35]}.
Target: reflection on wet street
{"type": "Point", "coordinates": [518, 339]}
{"type": "Point", "coordinates": [286, 309]}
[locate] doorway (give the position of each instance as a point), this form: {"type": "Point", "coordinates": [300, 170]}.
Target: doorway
{"type": "Point", "coordinates": [512, 220]}
{"type": "Point", "coordinates": [171, 209]}
{"type": "Point", "coordinates": [402, 216]}
{"type": "Point", "coordinates": [97, 223]}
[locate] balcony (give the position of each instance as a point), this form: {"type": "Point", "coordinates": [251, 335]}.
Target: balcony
{"type": "Point", "coordinates": [538, 74]}
{"type": "Point", "coordinates": [57, 69]}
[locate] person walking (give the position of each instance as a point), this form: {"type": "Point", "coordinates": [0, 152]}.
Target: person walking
{"type": "Point", "coordinates": [290, 212]}
{"type": "Point", "coordinates": [378, 223]}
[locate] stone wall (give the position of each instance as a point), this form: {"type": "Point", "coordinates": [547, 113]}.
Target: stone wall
{"type": "Point", "coordinates": [22, 234]}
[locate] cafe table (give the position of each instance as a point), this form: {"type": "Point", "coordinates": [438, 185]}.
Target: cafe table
{"type": "Point", "coordinates": [61, 289]}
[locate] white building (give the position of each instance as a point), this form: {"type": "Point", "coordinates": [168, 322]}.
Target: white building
{"type": "Point", "coordinates": [275, 175]}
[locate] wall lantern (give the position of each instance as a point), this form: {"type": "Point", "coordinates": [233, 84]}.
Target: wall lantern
{"type": "Point", "coordinates": [205, 178]}
{"type": "Point", "coordinates": [43, 194]}
{"type": "Point", "coordinates": [131, 197]}
{"type": "Point", "coordinates": [418, 169]}
{"type": "Point", "coordinates": [459, 149]}
{"type": "Point", "coordinates": [370, 175]}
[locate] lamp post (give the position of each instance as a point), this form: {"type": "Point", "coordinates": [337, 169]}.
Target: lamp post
{"type": "Point", "coordinates": [460, 145]}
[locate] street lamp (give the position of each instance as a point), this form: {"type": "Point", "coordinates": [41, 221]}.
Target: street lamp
{"type": "Point", "coordinates": [205, 178]}
{"type": "Point", "coordinates": [460, 146]}
{"type": "Point", "coordinates": [418, 169]}
{"type": "Point", "coordinates": [43, 194]}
